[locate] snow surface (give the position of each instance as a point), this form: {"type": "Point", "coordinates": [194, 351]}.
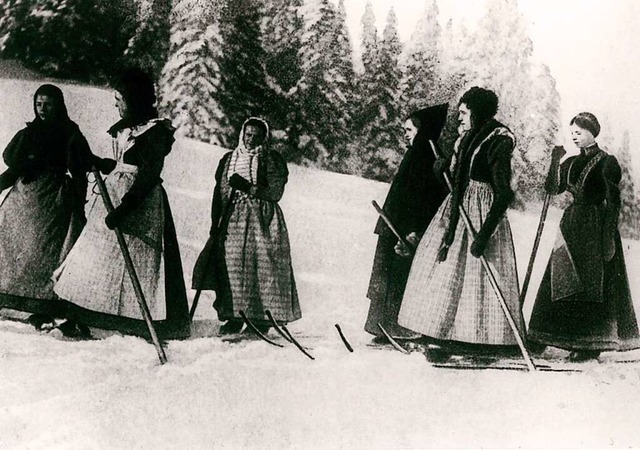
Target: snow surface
{"type": "Point", "coordinates": [113, 393]}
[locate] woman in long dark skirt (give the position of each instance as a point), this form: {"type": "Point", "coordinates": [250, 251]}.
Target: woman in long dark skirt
{"type": "Point", "coordinates": [584, 304]}
{"type": "Point", "coordinates": [94, 278]}
{"type": "Point", "coordinates": [43, 213]}
{"type": "Point", "coordinates": [413, 199]}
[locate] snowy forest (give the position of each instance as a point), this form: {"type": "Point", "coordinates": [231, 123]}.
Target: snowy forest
{"type": "Point", "coordinates": [293, 62]}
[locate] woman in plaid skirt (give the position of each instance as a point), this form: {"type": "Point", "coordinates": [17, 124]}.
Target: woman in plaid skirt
{"type": "Point", "coordinates": [43, 213]}
{"type": "Point", "coordinates": [584, 302]}
{"type": "Point", "coordinates": [94, 278]}
{"type": "Point", "coordinates": [448, 297]}
{"type": "Point", "coordinates": [247, 259]}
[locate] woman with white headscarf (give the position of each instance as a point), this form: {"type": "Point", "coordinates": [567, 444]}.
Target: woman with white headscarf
{"type": "Point", "coordinates": [247, 259]}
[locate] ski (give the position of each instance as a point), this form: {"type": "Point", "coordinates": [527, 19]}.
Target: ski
{"type": "Point", "coordinates": [498, 366]}
{"type": "Point", "coordinates": [344, 339]}
{"type": "Point", "coordinates": [392, 341]}
{"type": "Point", "coordinates": [276, 326]}
{"type": "Point", "coordinates": [256, 331]}
{"type": "Point", "coordinates": [296, 343]}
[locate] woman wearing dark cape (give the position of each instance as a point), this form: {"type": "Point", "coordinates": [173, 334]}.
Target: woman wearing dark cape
{"type": "Point", "coordinates": [43, 214]}
{"type": "Point", "coordinates": [413, 199]}
{"type": "Point", "coordinates": [584, 303]}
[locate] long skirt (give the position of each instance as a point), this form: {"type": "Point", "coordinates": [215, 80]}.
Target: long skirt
{"type": "Point", "coordinates": [453, 300]}
{"type": "Point", "coordinates": [37, 230]}
{"type": "Point", "coordinates": [386, 289]}
{"type": "Point", "coordinates": [252, 269]}
{"type": "Point", "coordinates": [570, 311]}
{"type": "Point", "coordinates": [94, 278]}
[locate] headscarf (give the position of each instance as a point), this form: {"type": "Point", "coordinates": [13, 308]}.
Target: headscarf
{"type": "Point", "coordinates": [138, 91]}
{"type": "Point", "coordinates": [415, 194]}
{"type": "Point", "coordinates": [244, 161]}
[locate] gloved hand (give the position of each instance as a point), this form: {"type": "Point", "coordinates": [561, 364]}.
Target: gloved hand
{"type": "Point", "coordinates": [402, 250]}
{"type": "Point", "coordinates": [115, 218]}
{"type": "Point", "coordinates": [106, 165]}
{"type": "Point", "coordinates": [479, 245]}
{"type": "Point", "coordinates": [557, 153]}
{"type": "Point", "coordinates": [239, 183]}
{"type": "Point", "coordinates": [439, 166]}
{"type": "Point", "coordinates": [443, 251]}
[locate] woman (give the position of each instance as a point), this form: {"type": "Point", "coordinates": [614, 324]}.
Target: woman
{"type": "Point", "coordinates": [43, 214]}
{"type": "Point", "coordinates": [448, 296]}
{"type": "Point", "coordinates": [247, 259]}
{"type": "Point", "coordinates": [94, 277]}
{"type": "Point", "coordinates": [413, 199]}
{"type": "Point", "coordinates": [584, 304]}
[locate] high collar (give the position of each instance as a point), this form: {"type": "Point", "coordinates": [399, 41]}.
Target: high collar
{"type": "Point", "coordinates": [588, 151]}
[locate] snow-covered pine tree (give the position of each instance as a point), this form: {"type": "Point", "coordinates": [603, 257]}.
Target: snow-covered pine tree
{"type": "Point", "coordinates": [420, 62]}
{"type": "Point", "coordinates": [282, 30]}
{"type": "Point", "coordinates": [243, 89]}
{"type": "Point", "coordinates": [323, 94]}
{"type": "Point", "coordinates": [191, 77]}
{"type": "Point", "coordinates": [378, 121]}
{"type": "Point", "coordinates": [78, 39]}
{"type": "Point", "coordinates": [12, 15]}
{"type": "Point", "coordinates": [149, 46]}
{"type": "Point", "coordinates": [629, 222]}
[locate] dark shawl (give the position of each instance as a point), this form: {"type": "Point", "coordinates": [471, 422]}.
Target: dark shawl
{"type": "Point", "coordinates": [415, 194]}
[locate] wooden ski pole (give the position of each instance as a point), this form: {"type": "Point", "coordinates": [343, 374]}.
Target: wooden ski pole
{"type": "Point", "coordinates": [492, 279]}
{"type": "Point", "coordinates": [393, 229]}
{"type": "Point", "coordinates": [144, 309]}
{"type": "Point", "coordinates": [536, 244]}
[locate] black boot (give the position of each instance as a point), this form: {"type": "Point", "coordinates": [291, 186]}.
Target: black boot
{"type": "Point", "coordinates": [231, 327]}
{"type": "Point", "coordinates": [583, 355]}
{"type": "Point", "coordinates": [41, 322]}
{"type": "Point", "coordinates": [75, 330]}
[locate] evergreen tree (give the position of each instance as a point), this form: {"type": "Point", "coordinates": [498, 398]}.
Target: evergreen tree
{"type": "Point", "coordinates": [81, 39]}
{"type": "Point", "coordinates": [629, 219]}
{"type": "Point", "coordinates": [282, 30]}
{"type": "Point", "coordinates": [323, 89]}
{"type": "Point", "coordinates": [149, 47]}
{"type": "Point", "coordinates": [191, 77]}
{"type": "Point", "coordinates": [420, 63]}
{"type": "Point", "coordinates": [243, 91]}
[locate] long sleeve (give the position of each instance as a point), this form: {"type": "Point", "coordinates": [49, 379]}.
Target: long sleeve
{"type": "Point", "coordinates": [556, 182]}
{"type": "Point", "coordinates": [270, 187]}
{"type": "Point", "coordinates": [500, 167]}
{"type": "Point", "coordinates": [612, 176]}
{"type": "Point", "coordinates": [13, 154]}
{"type": "Point", "coordinates": [216, 200]}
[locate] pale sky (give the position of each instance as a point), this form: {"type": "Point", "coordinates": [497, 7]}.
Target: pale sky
{"type": "Point", "coordinates": [591, 46]}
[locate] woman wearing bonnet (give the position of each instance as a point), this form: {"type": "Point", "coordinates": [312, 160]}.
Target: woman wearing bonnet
{"type": "Point", "coordinates": [247, 258]}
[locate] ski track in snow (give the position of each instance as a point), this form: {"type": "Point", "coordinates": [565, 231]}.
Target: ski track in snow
{"type": "Point", "coordinates": [112, 392]}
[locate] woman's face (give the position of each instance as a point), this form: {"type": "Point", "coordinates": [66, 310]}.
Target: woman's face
{"type": "Point", "coordinates": [464, 117]}
{"type": "Point", "coordinates": [581, 137]}
{"type": "Point", "coordinates": [121, 104]}
{"type": "Point", "coordinates": [410, 131]}
{"type": "Point", "coordinates": [45, 107]}
{"type": "Point", "coordinates": [253, 137]}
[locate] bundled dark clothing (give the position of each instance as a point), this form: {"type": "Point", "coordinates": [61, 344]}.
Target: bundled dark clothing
{"type": "Point", "coordinates": [413, 199]}
{"type": "Point", "coordinates": [584, 301]}
{"type": "Point", "coordinates": [43, 214]}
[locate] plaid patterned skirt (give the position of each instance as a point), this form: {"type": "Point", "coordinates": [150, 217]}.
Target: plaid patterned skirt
{"type": "Point", "coordinates": [256, 273]}
{"type": "Point", "coordinates": [94, 275]}
{"type": "Point", "coordinates": [453, 299]}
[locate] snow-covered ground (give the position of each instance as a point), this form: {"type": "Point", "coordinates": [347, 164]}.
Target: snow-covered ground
{"type": "Point", "coordinates": [112, 393]}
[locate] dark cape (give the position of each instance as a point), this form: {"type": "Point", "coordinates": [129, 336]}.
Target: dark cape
{"type": "Point", "coordinates": [584, 301]}
{"type": "Point", "coordinates": [413, 199]}
{"type": "Point", "coordinates": [43, 213]}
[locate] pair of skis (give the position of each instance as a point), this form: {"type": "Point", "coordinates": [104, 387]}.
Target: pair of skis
{"type": "Point", "coordinates": [282, 331]}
